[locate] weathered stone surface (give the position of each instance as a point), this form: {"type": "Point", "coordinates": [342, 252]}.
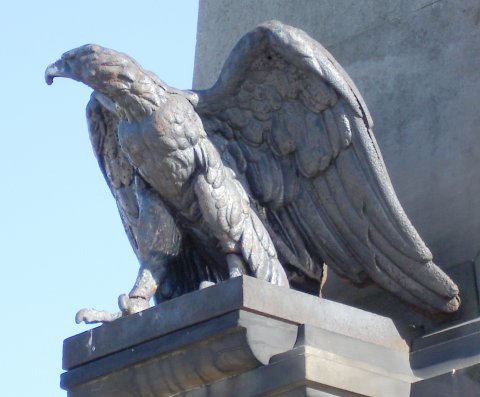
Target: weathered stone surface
{"type": "Point", "coordinates": [187, 358]}
{"type": "Point", "coordinates": [246, 338]}
{"type": "Point", "coordinates": [240, 293]}
{"type": "Point", "coordinates": [440, 352]}
{"type": "Point", "coordinates": [463, 382]}
{"type": "Point", "coordinates": [311, 371]}
{"type": "Point", "coordinates": [180, 313]}
{"type": "Point", "coordinates": [330, 22]}
{"type": "Point", "coordinates": [447, 361]}
{"type": "Point", "coordinates": [238, 337]}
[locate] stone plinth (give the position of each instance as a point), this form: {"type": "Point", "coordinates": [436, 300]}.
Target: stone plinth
{"type": "Point", "coordinates": [243, 337]}
{"type": "Point", "coordinates": [448, 362]}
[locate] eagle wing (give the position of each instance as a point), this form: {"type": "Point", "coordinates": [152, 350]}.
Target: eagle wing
{"type": "Point", "coordinates": [151, 229]}
{"type": "Point", "coordinates": [297, 133]}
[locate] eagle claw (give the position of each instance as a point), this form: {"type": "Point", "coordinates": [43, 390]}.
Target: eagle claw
{"type": "Point", "coordinates": [132, 304]}
{"type": "Point", "coordinates": [128, 305]}
{"type": "Point", "coordinates": [93, 316]}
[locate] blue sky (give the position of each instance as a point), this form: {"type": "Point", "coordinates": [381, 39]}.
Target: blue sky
{"type": "Point", "coordinates": [62, 243]}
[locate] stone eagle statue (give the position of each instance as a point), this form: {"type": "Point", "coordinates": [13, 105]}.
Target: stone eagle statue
{"type": "Point", "coordinates": [273, 172]}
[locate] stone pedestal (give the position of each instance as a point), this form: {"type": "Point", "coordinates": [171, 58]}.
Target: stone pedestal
{"type": "Point", "coordinates": [447, 362]}
{"type": "Point", "coordinates": [245, 337]}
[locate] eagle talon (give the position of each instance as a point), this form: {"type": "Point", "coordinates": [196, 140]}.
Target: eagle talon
{"type": "Point", "coordinates": [206, 284]}
{"type": "Point", "coordinates": [93, 316]}
{"type": "Point", "coordinates": [130, 305]}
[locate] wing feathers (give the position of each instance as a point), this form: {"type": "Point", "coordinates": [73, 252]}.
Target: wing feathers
{"type": "Point", "coordinates": [314, 153]}
{"type": "Point", "coordinates": [285, 129]}
{"type": "Point", "coordinates": [383, 205]}
{"type": "Point", "coordinates": [322, 235]}
{"type": "Point", "coordinates": [309, 157]}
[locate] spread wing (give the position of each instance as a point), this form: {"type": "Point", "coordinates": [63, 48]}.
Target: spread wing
{"type": "Point", "coordinates": [292, 125]}
{"type": "Point", "coordinates": [148, 223]}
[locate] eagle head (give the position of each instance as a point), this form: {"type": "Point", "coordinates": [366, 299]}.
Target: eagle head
{"type": "Point", "coordinates": [114, 75]}
{"type": "Point", "coordinates": [95, 66]}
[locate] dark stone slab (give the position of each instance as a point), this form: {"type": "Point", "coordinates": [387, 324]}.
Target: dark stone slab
{"type": "Point", "coordinates": [159, 320]}
{"type": "Point", "coordinates": [447, 361]}
{"type": "Point", "coordinates": [311, 371]}
{"type": "Point", "coordinates": [278, 377]}
{"type": "Point", "coordinates": [241, 293]}
{"type": "Point", "coordinates": [392, 361]}
{"type": "Point", "coordinates": [463, 382]}
{"type": "Point", "coordinates": [246, 338]}
{"type": "Point", "coordinates": [302, 308]}
{"type": "Point", "coordinates": [236, 339]}
{"type": "Point", "coordinates": [446, 335]}
{"type": "Point", "coordinates": [454, 348]}
{"type": "Point", "coordinates": [182, 360]}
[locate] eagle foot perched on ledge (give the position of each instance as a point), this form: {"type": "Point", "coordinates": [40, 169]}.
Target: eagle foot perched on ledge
{"type": "Point", "coordinates": [272, 172]}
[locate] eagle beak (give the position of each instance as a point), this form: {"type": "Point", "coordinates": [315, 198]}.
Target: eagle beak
{"type": "Point", "coordinates": [57, 69]}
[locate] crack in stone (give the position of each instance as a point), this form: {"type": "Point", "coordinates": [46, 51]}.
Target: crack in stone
{"type": "Point", "coordinates": [427, 5]}
{"type": "Point", "coordinates": [389, 18]}
{"type": "Point", "coordinates": [476, 258]}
